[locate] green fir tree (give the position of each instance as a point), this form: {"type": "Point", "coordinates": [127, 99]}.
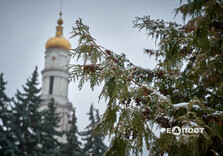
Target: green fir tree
{"type": "Point", "coordinates": [26, 119]}
{"type": "Point", "coordinates": [73, 146]}
{"type": "Point", "coordinates": [98, 138]}
{"type": "Point", "coordinates": [94, 144]}
{"type": "Point", "coordinates": [7, 146]}
{"type": "Point", "coordinates": [51, 119]}
{"type": "Point", "coordinates": [87, 135]}
{"type": "Point", "coordinates": [185, 89]}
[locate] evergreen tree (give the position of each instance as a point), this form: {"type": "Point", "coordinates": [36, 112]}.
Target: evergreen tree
{"type": "Point", "coordinates": [50, 144]}
{"type": "Point", "coordinates": [6, 140]}
{"type": "Point", "coordinates": [73, 146]}
{"type": "Point", "coordinates": [87, 135]}
{"type": "Point", "coordinates": [27, 119]}
{"type": "Point", "coordinates": [94, 144]}
{"type": "Point", "coordinates": [185, 89]}
{"type": "Point", "coordinates": [98, 138]}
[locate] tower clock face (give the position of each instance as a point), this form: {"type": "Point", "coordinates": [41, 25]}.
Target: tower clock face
{"type": "Point", "coordinates": [53, 58]}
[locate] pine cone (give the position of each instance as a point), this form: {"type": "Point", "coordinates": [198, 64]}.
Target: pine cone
{"type": "Point", "coordinates": [163, 122]}
{"type": "Point", "coordinates": [146, 112]}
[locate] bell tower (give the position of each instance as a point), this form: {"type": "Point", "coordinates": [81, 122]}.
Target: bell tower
{"type": "Point", "coordinates": [55, 76]}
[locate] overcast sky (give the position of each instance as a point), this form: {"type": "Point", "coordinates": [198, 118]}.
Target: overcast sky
{"type": "Point", "coordinates": [26, 25]}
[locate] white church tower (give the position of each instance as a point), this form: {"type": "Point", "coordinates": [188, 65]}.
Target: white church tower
{"type": "Point", "coordinates": [55, 76]}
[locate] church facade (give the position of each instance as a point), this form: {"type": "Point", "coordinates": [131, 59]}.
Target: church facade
{"type": "Point", "coordinates": [55, 77]}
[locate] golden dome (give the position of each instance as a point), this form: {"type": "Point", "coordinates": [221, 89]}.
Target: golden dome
{"type": "Point", "coordinates": [58, 41]}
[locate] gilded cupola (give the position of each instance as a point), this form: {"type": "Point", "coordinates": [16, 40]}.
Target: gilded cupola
{"type": "Point", "coordinates": [58, 41]}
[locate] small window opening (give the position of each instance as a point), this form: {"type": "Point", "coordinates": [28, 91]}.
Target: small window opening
{"type": "Point", "coordinates": [51, 85]}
